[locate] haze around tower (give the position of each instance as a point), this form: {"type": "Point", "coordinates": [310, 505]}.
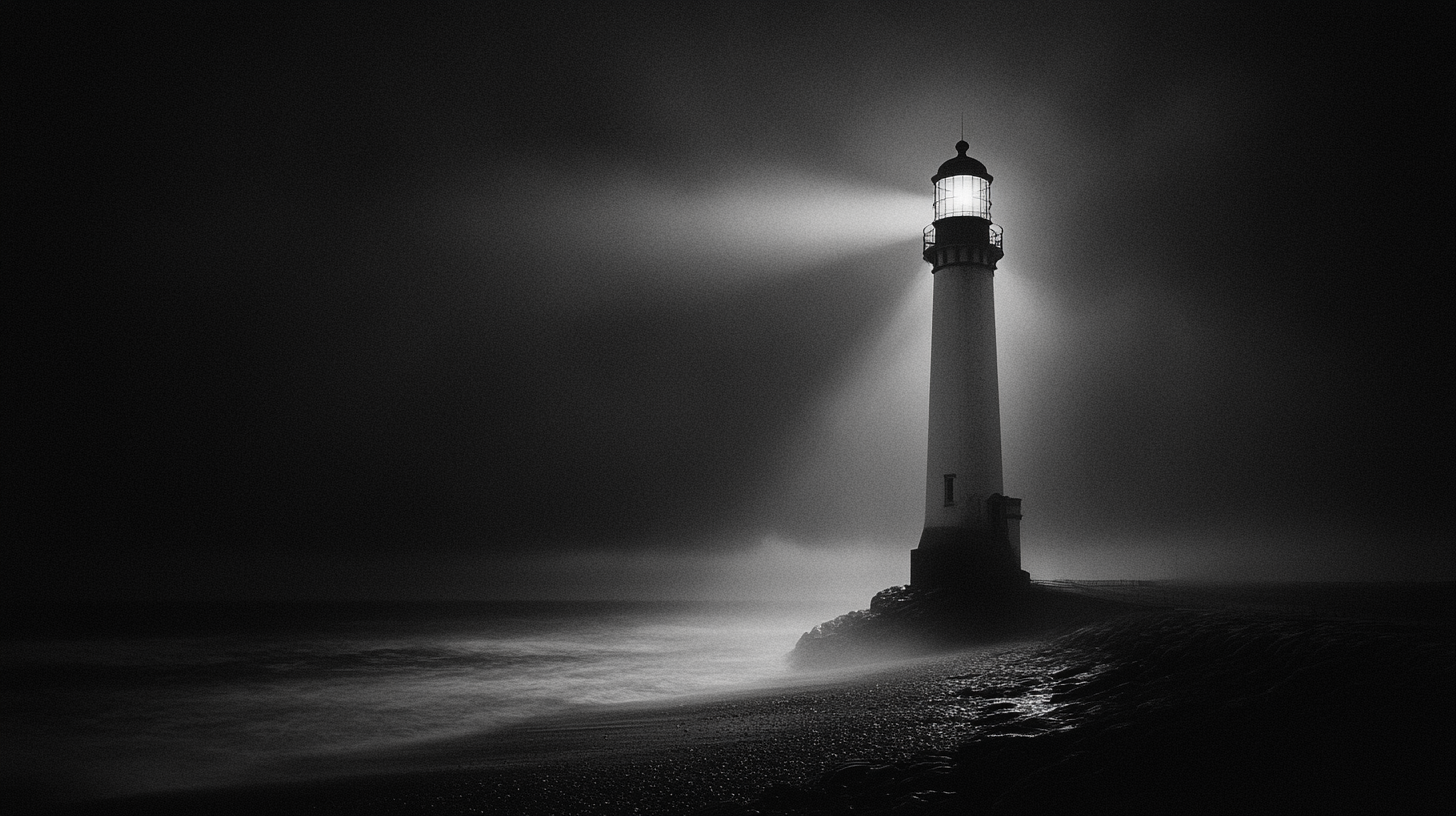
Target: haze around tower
{"type": "Point", "coordinates": [580, 302]}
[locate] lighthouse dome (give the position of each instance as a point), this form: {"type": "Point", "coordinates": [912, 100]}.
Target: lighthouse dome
{"type": "Point", "coordinates": [961, 165]}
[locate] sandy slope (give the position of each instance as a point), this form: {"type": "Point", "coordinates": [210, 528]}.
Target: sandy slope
{"type": "Point", "coordinates": [1262, 705]}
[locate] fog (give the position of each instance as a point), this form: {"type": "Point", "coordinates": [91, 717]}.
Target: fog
{"type": "Point", "coordinates": [390, 305]}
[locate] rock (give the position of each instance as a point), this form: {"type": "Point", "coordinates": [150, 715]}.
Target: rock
{"type": "Point", "coordinates": [903, 621]}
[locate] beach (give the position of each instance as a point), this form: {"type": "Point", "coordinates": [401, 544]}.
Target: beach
{"type": "Point", "coordinates": [629, 758]}
{"type": "Point", "coordinates": [1330, 700]}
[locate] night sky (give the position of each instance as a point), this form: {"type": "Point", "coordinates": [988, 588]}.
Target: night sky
{"type": "Point", "coordinates": [454, 302]}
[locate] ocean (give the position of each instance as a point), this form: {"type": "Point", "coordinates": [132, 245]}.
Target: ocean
{"type": "Point", "coordinates": [118, 700]}
{"type": "Point", "coordinates": [1235, 698]}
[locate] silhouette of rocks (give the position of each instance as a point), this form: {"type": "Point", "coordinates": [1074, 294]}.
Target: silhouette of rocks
{"type": "Point", "coordinates": [1186, 712]}
{"type": "Point", "coordinates": [904, 621]}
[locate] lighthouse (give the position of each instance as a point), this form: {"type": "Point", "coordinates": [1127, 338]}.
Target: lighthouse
{"type": "Point", "coordinates": [972, 537]}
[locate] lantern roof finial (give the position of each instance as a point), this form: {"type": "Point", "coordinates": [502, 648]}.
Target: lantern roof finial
{"type": "Point", "coordinates": [961, 165]}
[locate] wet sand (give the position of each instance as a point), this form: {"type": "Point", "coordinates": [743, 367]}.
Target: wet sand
{"type": "Point", "coordinates": [634, 759]}
{"type": "Point", "coordinates": [1251, 700]}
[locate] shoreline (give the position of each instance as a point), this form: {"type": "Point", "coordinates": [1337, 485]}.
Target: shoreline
{"type": "Point", "coordinates": [1225, 700]}
{"type": "Point", "coordinates": [660, 757]}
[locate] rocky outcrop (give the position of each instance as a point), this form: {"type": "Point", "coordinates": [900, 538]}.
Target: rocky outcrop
{"type": "Point", "coordinates": [904, 620]}
{"type": "Point", "coordinates": [1181, 711]}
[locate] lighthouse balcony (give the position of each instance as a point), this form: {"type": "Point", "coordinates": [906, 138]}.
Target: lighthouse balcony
{"type": "Point", "coordinates": [994, 233]}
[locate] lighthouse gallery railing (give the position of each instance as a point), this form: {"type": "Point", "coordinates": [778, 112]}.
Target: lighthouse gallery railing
{"type": "Point", "coordinates": [930, 237]}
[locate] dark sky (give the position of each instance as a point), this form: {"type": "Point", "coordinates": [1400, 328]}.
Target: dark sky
{"type": "Point", "coordinates": [578, 301]}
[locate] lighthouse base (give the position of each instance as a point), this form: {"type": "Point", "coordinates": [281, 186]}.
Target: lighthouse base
{"type": "Point", "coordinates": [962, 558]}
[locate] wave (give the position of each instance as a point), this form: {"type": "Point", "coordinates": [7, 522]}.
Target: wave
{"type": "Point", "coordinates": [240, 697]}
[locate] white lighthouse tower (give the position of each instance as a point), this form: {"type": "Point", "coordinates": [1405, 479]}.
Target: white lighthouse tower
{"type": "Point", "coordinates": [972, 537]}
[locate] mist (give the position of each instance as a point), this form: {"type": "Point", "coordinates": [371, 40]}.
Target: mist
{"type": "Point", "coordinates": [386, 305]}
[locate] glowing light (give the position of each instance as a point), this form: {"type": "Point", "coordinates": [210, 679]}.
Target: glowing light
{"type": "Point", "coordinates": [752, 223]}
{"type": "Point", "coordinates": [963, 195]}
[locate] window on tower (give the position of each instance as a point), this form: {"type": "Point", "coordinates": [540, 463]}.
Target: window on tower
{"type": "Point", "coordinates": [949, 489]}
{"type": "Point", "coordinates": [963, 195]}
